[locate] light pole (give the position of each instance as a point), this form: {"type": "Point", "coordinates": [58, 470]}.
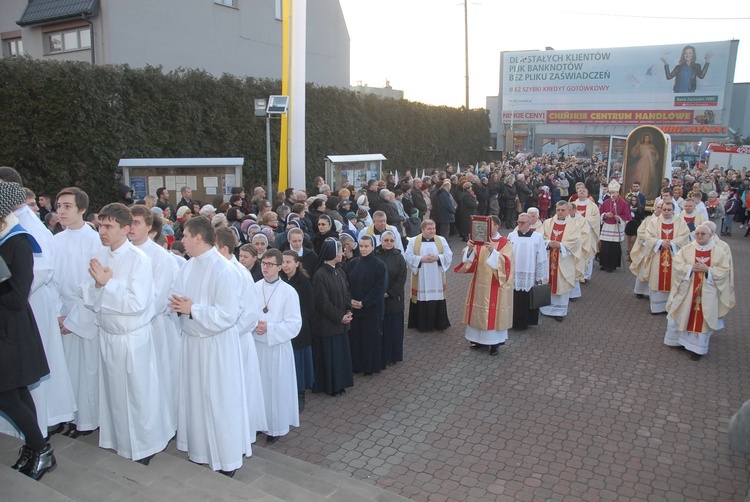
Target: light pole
{"type": "Point", "coordinates": [277, 106]}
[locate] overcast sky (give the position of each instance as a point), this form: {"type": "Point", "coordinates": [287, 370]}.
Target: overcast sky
{"type": "Point", "coordinates": [418, 45]}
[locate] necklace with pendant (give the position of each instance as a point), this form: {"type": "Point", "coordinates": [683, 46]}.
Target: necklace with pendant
{"type": "Point", "coordinates": [265, 307]}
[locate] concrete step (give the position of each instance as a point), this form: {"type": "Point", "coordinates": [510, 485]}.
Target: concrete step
{"type": "Point", "coordinates": [86, 472]}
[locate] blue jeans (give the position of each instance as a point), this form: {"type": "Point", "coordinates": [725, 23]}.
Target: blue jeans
{"type": "Point", "coordinates": [726, 224]}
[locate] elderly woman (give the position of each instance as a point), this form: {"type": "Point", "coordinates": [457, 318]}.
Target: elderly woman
{"type": "Point", "coordinates": [260, 242]}
{"type": "Point", "coordinates": [393, 319]}
{"type": "Point", "coordinates": [715, 208]}
{"type": "Point", "coordinates": [332, 358]}
{"type": "Point", "coordinates": [368, 280]}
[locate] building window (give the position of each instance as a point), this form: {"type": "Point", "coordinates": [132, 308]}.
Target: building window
{"type": "Point", "coordinates": [68, 40]}
{"type": "Point", "coordinates": [228, 3]}
{"type": "Point", "coordinates": [13, 47]}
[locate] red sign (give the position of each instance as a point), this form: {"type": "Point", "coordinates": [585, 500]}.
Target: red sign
{"type": "Point", "coordinates": [729, 149]}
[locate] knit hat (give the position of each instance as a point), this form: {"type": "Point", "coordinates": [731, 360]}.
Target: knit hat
{"type": "Point", "coordinates": [181, 212]}
{"type": "Point", "coordinates": [11, 195]}
{"type": "Point", "coordinates": [218, 219]}
{"type": "Point", "coordinates": [207, 210]}
{"type": "Point", "coordinates": [157, 211]}
{"type": "Point", "coordinates": [350, 215]}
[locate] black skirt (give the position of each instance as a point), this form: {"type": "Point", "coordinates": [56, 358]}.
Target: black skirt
{"type": "Point", "coordinates": [366, 344]}
{"type": "Point", "coordinates": [523, 316]}
{"type": "Point", "coordinates": [429, 315]}
{"type": "Point", "coordinates": [332, 361]}
{"type": "Point", "coordinates": [393, 337]}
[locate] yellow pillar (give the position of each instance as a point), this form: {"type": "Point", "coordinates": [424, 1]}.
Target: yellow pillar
{"type": "Point", "coordinates": [285, 63]}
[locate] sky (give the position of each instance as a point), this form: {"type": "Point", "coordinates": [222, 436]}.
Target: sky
{"type": "Point", "coordinates": [418, 45]}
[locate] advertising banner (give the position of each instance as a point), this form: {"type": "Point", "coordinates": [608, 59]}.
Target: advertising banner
{"type": "Point", "coordinates": [664, 84]}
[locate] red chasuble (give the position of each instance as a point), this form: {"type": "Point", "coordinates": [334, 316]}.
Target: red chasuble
{"type": "Point", "coordinates": [695, 321]}
{"type": "Point", "coordinates": [554, 255]}
{"type": "Point", "coordinates": [665, 259]}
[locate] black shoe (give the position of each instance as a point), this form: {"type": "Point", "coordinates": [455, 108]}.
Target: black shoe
{"type": "Point", "coordinates": [146, 460]}
{"type": "Point", "coordinates": [573, 300]}
{"type": "Point", "coordinates": [271, 439]}
{"type": "Point", "coordinates": [695, 357]}
{"type": "Point", "coordinates": [229, 474]}
{"type": "Point", "coordinates": [639, 296]}
{"type": "Point", "coordinates": [301, 401]}
{"type": "Point", "coordinates": [74, 434]}
{"type": "Point", "coordinates": [494, 351]}
{"type": "Point", "coordinates": [24, 454]}
{"type": "Point", "coordinates": [40, 462]}
{"type": "Point", "coordinates": [559, 318]}
{"type": "Point", "coordinates": [51, 431]}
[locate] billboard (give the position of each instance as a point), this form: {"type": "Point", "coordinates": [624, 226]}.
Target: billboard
{"type": "Point", "coordinates": [663, 84]}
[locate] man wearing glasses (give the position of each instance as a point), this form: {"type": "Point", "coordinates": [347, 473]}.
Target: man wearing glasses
{"type": "Point", "coordinates": [280, 320]}
{"type": "Point", "coordinates": [702, 293]}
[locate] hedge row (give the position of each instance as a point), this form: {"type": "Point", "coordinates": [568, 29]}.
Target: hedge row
{"type": "Point", "coordinates": [64, 124]}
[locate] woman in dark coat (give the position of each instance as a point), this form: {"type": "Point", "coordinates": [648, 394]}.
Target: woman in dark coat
{"type": "Point", "coordinates": [631, 227]}
{"type": "Point", "coordinates": [468, 207]}
{"type": "Point", "coordinates": [393, 320]}
{"type": "Point", "coordinates": [332, 358]}
{"type": "Point", "coordinates": [297, 277]}
{"type": "Point", "coordinates": [22, 358]}
{"type": "Point", "coordinates": [368, 280]}
{"type": "Point", "coordinates": [326, 229]}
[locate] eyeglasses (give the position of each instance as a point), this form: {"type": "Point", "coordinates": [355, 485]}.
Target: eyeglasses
{"type": "Point", "coordinates": [389, 240]}
{"type": "Point", "coordinates": [269, 264]}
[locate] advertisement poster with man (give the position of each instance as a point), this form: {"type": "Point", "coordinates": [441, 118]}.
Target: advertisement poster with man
{"type": "Point", "coordinates": [646, 160]}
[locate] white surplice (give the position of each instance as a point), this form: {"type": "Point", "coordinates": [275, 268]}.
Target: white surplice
{"type": "Point", "coordinates": [131, 419]}
{"type": "Point", "coordinates": [275, 354]}
{"type": "Point", "coordinates": [166, 332]}
{"type": "Point", "coordinates": [72, 251]}
{"type": "Point", "coordinates": [430, 275]}
{"type": "Point", "coordinates": [256, 406]}
{"type": "Point", "coordinates": [53, 394]}
{"type": "Point", "coordinates": [212, 421]}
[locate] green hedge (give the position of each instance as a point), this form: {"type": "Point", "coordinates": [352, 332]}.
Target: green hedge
{"type": "Point", "coordinates": [64, 123]}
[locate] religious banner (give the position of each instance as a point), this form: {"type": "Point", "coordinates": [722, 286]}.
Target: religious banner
{"type": "Point", "coordinates": [646, 161]}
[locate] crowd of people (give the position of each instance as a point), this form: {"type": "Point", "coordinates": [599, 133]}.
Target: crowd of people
{"type": "Point", "coordinates": [147, 320]}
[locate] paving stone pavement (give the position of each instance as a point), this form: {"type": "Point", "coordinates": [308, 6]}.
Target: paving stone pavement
{"type": "Point", "coordinates": [593, 408]}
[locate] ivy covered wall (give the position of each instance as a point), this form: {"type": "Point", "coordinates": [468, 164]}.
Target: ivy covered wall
{"type": "Point", "coordinates": [64, 124]}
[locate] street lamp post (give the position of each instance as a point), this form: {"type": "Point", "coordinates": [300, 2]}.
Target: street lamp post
{"type": "Point", "coordinates": [276, 106]}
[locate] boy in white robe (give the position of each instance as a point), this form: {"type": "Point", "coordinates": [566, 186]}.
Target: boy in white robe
{"type": "Point", "coordinates": [120, 292]}
{"type": "Point", "coordinates": [74, 247]}
{"type": "Point", "coordinates": [212, 421]}
{"type": "Point", "coordinates": [226, 241]}
{"type": "Point", "coordinates": [166, 333]}
{"type": "Point", "coordinates": [53, 395]}
{"type": "Point", "coordinates": [280, 320]}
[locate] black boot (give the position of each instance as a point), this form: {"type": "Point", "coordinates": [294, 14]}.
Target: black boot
{"type": "Point", "coordinates": [301, 401]}
{"type": "Point", "coordinates": [24, 454]}
{"type": "Point", "coordinates": [40, 462]}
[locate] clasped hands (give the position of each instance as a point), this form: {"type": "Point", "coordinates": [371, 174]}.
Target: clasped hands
{"type": "Point", "coordinates": [99, 273]}
{"type": "Point", "coordinates": [429, 258]}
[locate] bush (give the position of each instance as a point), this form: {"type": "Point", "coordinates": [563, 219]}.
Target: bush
{"type": "Point", "coordinates": [69, 123]}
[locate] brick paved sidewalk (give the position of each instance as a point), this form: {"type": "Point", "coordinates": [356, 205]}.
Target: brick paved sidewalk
{"type": "Point", "coordinates": [594, 408]}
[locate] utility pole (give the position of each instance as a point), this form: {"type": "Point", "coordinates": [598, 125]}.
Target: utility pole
{"type": "Point", "coordinates": [466, 44]}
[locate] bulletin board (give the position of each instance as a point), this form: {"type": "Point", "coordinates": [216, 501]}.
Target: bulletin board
{"type": "Point", "coordinates": [207, 177]}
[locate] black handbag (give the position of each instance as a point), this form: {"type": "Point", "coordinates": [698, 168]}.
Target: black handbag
{"type": "Point", "coordinates": [540, 296]}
